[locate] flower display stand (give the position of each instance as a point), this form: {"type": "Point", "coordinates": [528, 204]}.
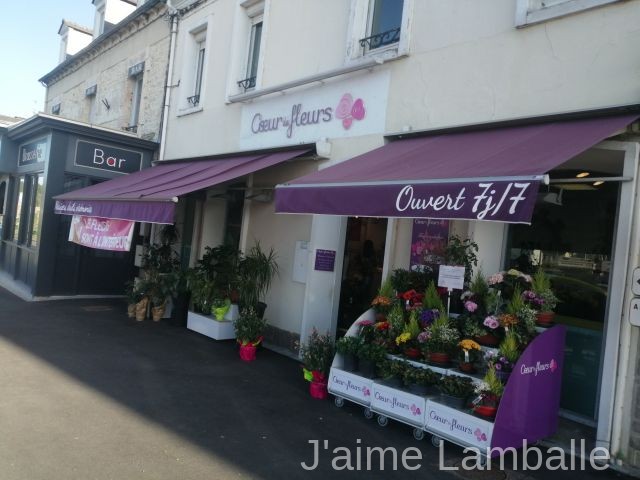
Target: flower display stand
{"type": "Point", "coordinates": [209, 326]}
{"type": "Point", "coordinates": [528, 410]}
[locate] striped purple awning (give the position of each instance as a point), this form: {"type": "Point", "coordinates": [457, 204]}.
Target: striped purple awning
{"type": "Point", "coordinates": [151, 194]}
{"type": "Point", "coordinates": [490, 174]}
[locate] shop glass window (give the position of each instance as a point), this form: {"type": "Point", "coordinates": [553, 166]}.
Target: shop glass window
{"type": "Point", "coordinates": [37, 192]}
{"type": "Point", "coordinates": [385, 23]}
{"type": "Point", "coordinates": [18, 211]}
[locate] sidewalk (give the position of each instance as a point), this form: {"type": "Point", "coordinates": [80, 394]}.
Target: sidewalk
{"type": "Point", "coordinates": [89, 394]}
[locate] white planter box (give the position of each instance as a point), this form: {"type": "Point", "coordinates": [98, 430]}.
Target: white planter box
{"type": "Point", "coordinates": [209, 326]}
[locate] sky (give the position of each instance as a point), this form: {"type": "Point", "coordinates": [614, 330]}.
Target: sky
{"type": "Point", "coordinates": [30, 48]}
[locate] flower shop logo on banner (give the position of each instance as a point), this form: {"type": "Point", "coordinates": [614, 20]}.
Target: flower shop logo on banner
{"type": "Point", "coordinates": [347, 110]}
{"type": "Point", "coordinates": [539, 367]}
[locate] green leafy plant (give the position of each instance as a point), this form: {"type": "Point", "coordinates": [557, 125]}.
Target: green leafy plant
{"type": "Point", "coordinates": [456, 386]}
{"type": "Point", "coordinates": [462, 252]}
{"type": "Point", "coordinates": [349, 345]}
{"type": "Point", "coordinates": [541, 285]}
{"type": "Point", "coordinates": [249, 327]}
{"type": "Point", "coordinates": [509, 348]}
{"type": "Point", "coordinates": [372, 352]}
{"type": "Point", "coordinates": [491, 385]}
{"type": "Point", "coordinates": [393, 368]}
{"type": "Point", "coordinates": [432, 299]}
{"type": "Point", "coordinates": [420, 376]}
{"type": "Point", "coordinates": [395, 317]}
{"type": "Point", "coordinates": [403, 280]}
{"type": "Point", "coordinates": [317, 353]}
{"type": "Point", "coordinates": [443, 337]}
{"type": "Point", "coordinates": [256, 270]}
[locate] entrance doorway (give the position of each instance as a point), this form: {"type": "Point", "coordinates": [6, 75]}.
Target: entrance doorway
{"type": "Point", "coordinates": [571, 237]}
{"type": "Point", "coordinates": [362, 268]}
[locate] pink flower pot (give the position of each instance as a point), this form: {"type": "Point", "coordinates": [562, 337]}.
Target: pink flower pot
{"type": "Point", "coordinates": [248, 353]}
{"type": "Point", "coordinates": [318, 389]}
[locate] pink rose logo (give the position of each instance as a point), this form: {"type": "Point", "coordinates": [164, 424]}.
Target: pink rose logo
{"type": "Point", "coordinates": [415, 410]}
{"type": "Point", "coordinates": [348, 110]}
{"type": "Point", "coordinates": [553, 365]}
{"type": "Point", "coordinates": [366, 392]}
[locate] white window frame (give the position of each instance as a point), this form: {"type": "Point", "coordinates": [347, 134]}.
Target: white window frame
{"type": "Point", "coordinates": [136, 100]}
{"type": "Point", "coordinates": [251, 43]}
{"type": "Point", "coordinates": [197, 38]}
{"type": "Point", "coordinates": [360, 19]}
{"type": "Point", "coordinates": [98, 26]}
{"type": "Point", "coordinates": [531, 12]}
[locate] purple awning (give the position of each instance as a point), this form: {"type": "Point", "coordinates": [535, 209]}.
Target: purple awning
{"type": "Point", "coordinates": [151, 194]}
{"type": "Point", "coordinates": [491, 174]}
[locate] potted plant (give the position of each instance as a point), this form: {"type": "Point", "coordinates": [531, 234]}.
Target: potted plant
{"type": "Point", "coordinates": [349, 347]}
{"type": "Point", "coordinates": [383, 302]}
{"type": "Point", "coordinates": [142, 289]}
{"type": "Point", "coordinates": [442, 340]}
{"type": "Point", "coordinates": [470, 351]}
{"type": "Point", "coordinates": [463, 253]}
{"type": "Point", "coordinates": [407, 341]}
{"type": "Point", "coordinates": [317, 355]}
{"type": "Point", "coordinates": [455, 390]}
{"type": "Point", "coordinates": [132, 298]}
{"type": "Point", "coordinates": [256, 270]}
{"type": "Point", "coordinates": [546, 300]}
{"type": "Point", "coordinates": [504, 361]}
{"type": "Point", "coordinates": [489, 392]}
{"type": "Point", "coordinates": [249, 328]}
{"type": "Point", "coordinates": [420, 381]}
{"type": "Point", "coordinates": [370, 355]}
{"type": "Point", "coordinates": [392, 372]}
{"type": "Point", "coordinates": [220, 307]}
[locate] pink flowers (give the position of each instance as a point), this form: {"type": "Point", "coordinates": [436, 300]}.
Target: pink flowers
{"type": "Point", "coordinates": [423, 337]}
{"type": "Point", "coordinates": [470, 306]}
{"type": "Point", "coordinates": [491, 322]}
{"type": "Point", "coordinates": [495, 279]}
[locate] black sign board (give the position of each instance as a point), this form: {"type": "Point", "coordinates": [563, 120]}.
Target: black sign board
{"type": "Point", "coordinates": [106, 157]}
{"type": "Point", "coordinates": [31, 153]}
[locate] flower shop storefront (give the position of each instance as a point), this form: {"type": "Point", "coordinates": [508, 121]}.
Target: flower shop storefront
{"type": "Point", "coordinates": [498, 187]}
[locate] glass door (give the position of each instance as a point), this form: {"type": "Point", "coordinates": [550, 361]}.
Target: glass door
{"type": "Point", "coordinates": [571, 238]}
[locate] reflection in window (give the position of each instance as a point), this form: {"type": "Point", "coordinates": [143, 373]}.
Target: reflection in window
{"type": "Point", "coordinates": [36, 209]}
{"type": "Point", "coordinates": [18, 211]}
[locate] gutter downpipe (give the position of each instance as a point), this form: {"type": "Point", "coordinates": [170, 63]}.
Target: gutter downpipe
{"type": "Point", "coordinates": [173, 13]}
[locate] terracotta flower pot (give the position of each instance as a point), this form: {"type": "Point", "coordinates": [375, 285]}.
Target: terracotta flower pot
{"type": "Point", "coordinates": [131, 310]}
{"type": "Point", "coordinates": [545, 319]}
{"type": "Point", "coordinates": [488, 340]}
{"type": "Point", "coordinates": [158, 312]}
{"type": "Point", "coordinates": [439, 358]}
{"type": "Point", "coordinates": [466, 367]}
{"type": "Point", "coordinates": [412, 353]}
{"type": "Point", "coordinates": [485, 411]}
{"type": "Point", "coordinates": [248, 352]}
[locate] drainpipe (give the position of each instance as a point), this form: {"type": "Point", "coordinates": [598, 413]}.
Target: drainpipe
{"type": "Point", "coordinates": [173, 14]}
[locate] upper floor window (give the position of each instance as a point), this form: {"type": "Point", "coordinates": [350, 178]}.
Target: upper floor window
{"type": "Point", "coordinates": [55, 109]}
{"type": "Point", "coordinates": [385, 24]}
{"type": "Point", "coordinates": [253, 57]}
{"type": "Point", "coordinates": [529, 12]}
{"type": "Point", "coordinates": [197, 66]}
{"type": "Point", "coordinates": [136, 76]}
{"type": "Point", "coordinates": [378, 27]}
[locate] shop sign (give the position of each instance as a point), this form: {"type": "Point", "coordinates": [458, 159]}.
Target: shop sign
{"type": "Point", "coordinates": [101, 233]}
{"type": "Point", "coordinates": [428, 241]}
{"type": "Point", "coordinates": [452, 423]}
{"type": "Point", "coordinates": [334, 110]}
{"type": "Point", "coordinates": [325, 260]}
{"type": "Point", "coordinates": [350, 386]}
{"type": "Point", "coordinates": [107, 157]}
{"type": "Point", "coordinates": [33, 152]}
{"type": "Point", "coordinates": [451, 277]}
{"type": "Point", "coordinates": [398, 404]}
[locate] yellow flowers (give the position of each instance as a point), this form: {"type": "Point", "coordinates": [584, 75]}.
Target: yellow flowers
{"type": "Point", "coordinates": [468, 345]}
{"type": "Point", "coordinates": [381, 301]}
{"type": "Point", "coordinates": [403, 338]}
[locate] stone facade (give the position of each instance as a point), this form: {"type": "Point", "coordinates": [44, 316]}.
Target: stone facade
{"type": "Point", "coordinates": [105, 63]}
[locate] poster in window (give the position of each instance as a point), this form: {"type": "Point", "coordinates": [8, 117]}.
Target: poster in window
{"type": "Point", "coordinates": [101, 233]}
{"type": "Point", "coordinates": [428, 242]}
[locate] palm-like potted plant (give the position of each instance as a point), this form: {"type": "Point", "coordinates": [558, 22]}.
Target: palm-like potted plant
{"type": "Point", "coordinates": [256, 270]}
{"type": "Point", "coordinates": [489, 392]}
{"type": "Point", "coordinates": [317, 354]}
{"type": "Point", "coordinates": [249, 328]}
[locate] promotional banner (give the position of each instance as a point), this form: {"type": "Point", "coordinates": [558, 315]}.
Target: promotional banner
{"type": "Point", "coordinates": [101, 233]}
{"type": "Point", "coordinates": [428, 241]}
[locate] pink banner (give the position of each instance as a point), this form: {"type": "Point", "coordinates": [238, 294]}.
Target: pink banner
{"type": "Point", "coordinates": [101, 233]}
